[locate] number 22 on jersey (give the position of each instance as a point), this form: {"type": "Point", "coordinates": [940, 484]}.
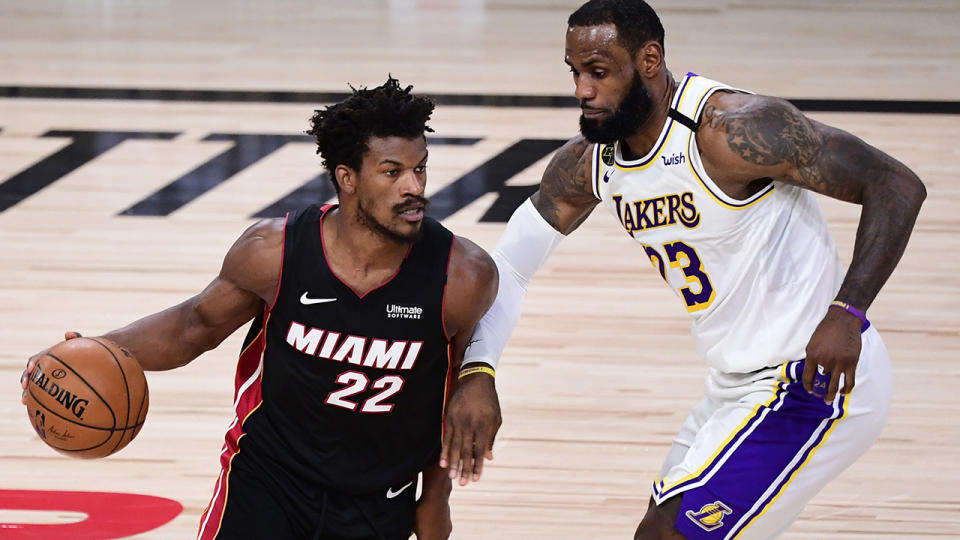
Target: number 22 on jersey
{"type": "Point", "coordinates": [357, 382]}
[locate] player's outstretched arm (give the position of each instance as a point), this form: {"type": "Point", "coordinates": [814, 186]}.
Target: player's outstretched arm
{"type": "Point", "coordinates": [247, 281]}
{"type": "Point", "coordinates": [752, 137]}
{"type": "Point", "coordinates": [175, 336]}
{"type": "Point", "coordinates": [562, 203]}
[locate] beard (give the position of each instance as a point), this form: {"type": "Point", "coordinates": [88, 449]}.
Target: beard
{"type": "Point", "coordinates": [368, 220]}
{"type": "Point", "coordinates": [632, 112]}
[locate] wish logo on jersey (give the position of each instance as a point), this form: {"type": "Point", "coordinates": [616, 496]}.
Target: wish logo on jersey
{"type": "Point", "coordinates": [675, 159]}
{"type": "Point", "coordinates": [657, 212]}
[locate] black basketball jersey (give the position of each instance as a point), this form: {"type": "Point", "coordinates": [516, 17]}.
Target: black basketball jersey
{"type": "Point", "coordinates": [346, 391]}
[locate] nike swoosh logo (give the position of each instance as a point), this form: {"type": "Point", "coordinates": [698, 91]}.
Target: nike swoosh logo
{"type": "Point", "coordinates": [606, 177]}
{"type": "Point", "coordinates": [305, 300]}
{"type": "Point", "coordinates": [391, 493]}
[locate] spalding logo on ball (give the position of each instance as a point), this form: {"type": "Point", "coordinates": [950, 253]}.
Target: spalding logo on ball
{"type": "Point", "coordinates": [87, 397]}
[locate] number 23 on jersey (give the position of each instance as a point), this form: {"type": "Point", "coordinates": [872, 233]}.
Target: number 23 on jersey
{"type": "Point", "coordinates": [698, 294]}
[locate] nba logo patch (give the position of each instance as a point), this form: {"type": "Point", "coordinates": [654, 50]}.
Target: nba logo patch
{"type": "Point", "coordinates": [710, 516]}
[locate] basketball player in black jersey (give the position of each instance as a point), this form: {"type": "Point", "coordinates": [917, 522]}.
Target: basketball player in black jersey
{"type": "Point", "coordinates": [361, 313]}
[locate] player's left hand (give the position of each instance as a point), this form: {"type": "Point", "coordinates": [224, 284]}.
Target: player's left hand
{"type": "Point", "coordinates": [472, 421]}
{"type": "Point", "coordinates": [835, 345]}
{"type": "Point", "coordinates": [432, 520]}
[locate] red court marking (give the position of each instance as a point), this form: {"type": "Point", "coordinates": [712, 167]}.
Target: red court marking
{"type": "Point", "coordinates": [109, 515]}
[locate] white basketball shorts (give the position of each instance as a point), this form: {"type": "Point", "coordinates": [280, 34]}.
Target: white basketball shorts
{"type": "Point", "coordinates": [758, 447]}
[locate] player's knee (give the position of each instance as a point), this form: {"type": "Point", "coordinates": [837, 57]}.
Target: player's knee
{"type": "Point", "coordinates": [658, 522]}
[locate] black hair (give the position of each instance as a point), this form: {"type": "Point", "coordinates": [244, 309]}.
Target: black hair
{"type": "Point", "coordinates": [343, 130]}
{"type": "Point", "coordinates": [636, 22]}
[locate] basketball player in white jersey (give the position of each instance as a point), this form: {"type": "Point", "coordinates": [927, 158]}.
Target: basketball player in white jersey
{"type": "Point", "coordinates": [717, 186]}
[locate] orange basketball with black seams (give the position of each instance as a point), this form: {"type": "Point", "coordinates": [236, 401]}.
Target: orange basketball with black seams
{"type": "Point", "coordinates": [87, 397]}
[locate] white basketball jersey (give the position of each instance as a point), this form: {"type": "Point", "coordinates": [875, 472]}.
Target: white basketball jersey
{"type": "Point", "coordinates": [756, 275]}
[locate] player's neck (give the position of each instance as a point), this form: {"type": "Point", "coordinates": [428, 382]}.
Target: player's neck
{"type": "Point", "coordinates": [642, 141]}
{"type": "Point", "coordinates": [359, 255]}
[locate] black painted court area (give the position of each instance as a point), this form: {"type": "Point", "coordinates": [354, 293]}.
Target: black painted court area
{"type": "Point", "coordinates": [247, 149]}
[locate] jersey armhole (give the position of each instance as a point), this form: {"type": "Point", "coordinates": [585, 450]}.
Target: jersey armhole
{"type": "Point", "coordinates": [595, 171]}
{"type": "Point", "coordinates": [697, 111]}
{"type": "Point", "coordinates": [443, 294]}
{"type": "Point", "coordinates": [283, 249]}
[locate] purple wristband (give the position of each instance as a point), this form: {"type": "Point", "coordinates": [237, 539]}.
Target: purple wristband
{"type": "Point", "coordinates": [856, 312]}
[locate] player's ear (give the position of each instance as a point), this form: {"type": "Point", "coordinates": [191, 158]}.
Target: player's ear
{"type": "Point", "coordinates": [649, 59]}
{"type": "Point", "coordinates": [346, 178]}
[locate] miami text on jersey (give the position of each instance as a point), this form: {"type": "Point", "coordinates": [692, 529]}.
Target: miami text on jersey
{"type": "Point", "coordinates": [359, 350]}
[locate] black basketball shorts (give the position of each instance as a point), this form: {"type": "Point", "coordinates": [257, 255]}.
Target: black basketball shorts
{"type": "Point", "coordinates": [253, 502]}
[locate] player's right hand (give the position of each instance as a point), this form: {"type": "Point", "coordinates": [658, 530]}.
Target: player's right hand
{"type": "Point", "coordinates": [32, 362]}
{"type": "Point", "coordinates": [472, 421]}
{"type": "Point", "coordinates": [833, 351]}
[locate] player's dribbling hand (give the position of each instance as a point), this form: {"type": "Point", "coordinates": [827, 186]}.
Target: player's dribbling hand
{"type": "Point", "coordinates": [473, 419]}
{"type": "Point", "coordinates": [835, 345]}
{"type": "Point", "coordinates": [32, 362]}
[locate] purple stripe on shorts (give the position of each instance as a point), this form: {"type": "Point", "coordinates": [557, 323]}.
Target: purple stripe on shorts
{"type": "Point", "coordinates": [759, 468]}
{"type": "Point", "coordinates": [721, 456]}
{"type": "Point", "coordinates": [786, 478]}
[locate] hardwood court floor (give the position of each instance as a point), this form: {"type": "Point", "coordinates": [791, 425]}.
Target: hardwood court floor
{"type": "Point", "coordinates": [601, 371]}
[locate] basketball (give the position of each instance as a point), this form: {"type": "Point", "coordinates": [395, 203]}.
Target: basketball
{"type": "Point", "coordinates": [87, 397]}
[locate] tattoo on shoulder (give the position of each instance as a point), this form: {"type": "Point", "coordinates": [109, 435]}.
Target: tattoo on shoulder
{"type": "Point", "coordinates": [567, 180]}
{"type": "Point", "coordinates": [714, 118]}
{"type": "Point", "coordinates": [770, 132]}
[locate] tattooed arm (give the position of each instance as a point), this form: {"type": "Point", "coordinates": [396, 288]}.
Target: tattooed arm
{"type": "Point", "coordinates": [744, 138]}
{"type": "Point", "coordinates": [565, 198]}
